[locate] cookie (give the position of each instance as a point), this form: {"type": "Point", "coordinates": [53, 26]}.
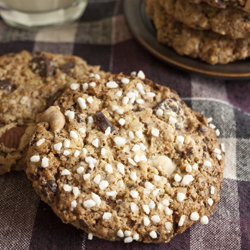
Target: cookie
{"type": "Point", "coordinates": [229, 21]}
{"type": "Point", "coordinates": [28, 85]}
{"type": "Point", "coordinates": [210, 47]}
{"type": "Point", "coordinates": [125, 159]}
{"type": "Point", "coordinates": [238, 4]}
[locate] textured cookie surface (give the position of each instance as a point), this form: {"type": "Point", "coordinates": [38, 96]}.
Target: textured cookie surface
{"type": "Point", "coordinates": [28, 85]}
{"type": "Point", "coordinates": [239, 4]}
{"type": "Point", "coordinates": [229, 21]}
{"type": "Point", "coordinates": [210, 47]}
{"type": "Point", "coordinates": [126, 159]}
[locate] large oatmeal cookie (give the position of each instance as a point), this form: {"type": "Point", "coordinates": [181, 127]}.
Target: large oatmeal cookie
{"type": "Point", "coordinates": [28, 85]}
{"type": "Point", "coordinates": [125, 159]}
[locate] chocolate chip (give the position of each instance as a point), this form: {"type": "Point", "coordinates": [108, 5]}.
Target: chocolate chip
{"type": "Point", "coordinates": [205, 148]}
{"type": "Point", "coordinates": [79, 119]}
{"type": "Point", "coordinates": [190, 151]}
{"type": "Point", "coordinates": [52, 185]}
{"type": "Point", "coordinates": [177, 127]}
{"type": "Point", "coordinates": [12, 137]}
{"type": "Point", "coordinates": [201, 128]}
{"type": "Point", "coordinates": [44, 191]}
{"type": "Point", "coordinates": [139, 109]}
{"type": "Point", "coordinates": [6, 85]}
{"type": "Point", "coordinates": [179, 152]}
{"type": "Point", "coordinates": [102, 122]}
{"type": "Point", "coordinates": [67, 66]}
{"type": "Point", "coordinates": [43, 66]}
{"type": "Point", "coordinates": [52, 99]}
{"type": "Point", "coordinates": [83, 223]}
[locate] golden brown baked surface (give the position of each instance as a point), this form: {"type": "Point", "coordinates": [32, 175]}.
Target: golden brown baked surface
{"type": "Point", "coordinates": [28, 85]}
{"type": "Point", "coordinates": [231, 22]}
{"type": "Point", "coordinates": [238, 4]}
{"type": "Point", "coordinates": [125, 159]}
{"type": "Point", "coordinates": [208, 46]}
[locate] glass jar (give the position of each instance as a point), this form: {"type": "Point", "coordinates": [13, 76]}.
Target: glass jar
{"type": "Point", "coordinates": [37, 14]}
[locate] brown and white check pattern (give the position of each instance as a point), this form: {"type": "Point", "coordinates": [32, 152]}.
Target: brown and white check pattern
{"type": "Point", "coordinates": [102, 37]}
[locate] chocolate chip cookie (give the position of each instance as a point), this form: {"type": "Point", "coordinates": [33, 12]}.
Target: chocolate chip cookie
{"type": "Point", "coordinates": [125, 159]}
{"type": "Point", "coordinates": [210, 47]}
{"type": "Point", "coordinates": [231, 22]}
{"type": "Point", "coordinates": [28, 85]}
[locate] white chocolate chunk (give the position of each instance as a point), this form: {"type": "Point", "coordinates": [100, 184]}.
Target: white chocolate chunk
{"type": "Point", "coordinates": [146, 209]}
{"type": "Point", "coordinates": [45, 162]}
{"type": "Point", "coordinates": [120, 168]}
{"type": "Point", "coordinates": [112, 84]}
{"type": "Point", "coordinates": [73, 134]}
{"type": "Point", "coordinates": [180, 197]}
{"type": "Point", "coordinates": [146, 221]}
{"type": "Point", "coordinates": [156, 218]}
{"type": "Point", "coordinates": [35, 158]}
{"type": "Point", "coordinates": [97, 199]}
{"type": "Point", "coordinates": [58, 146]}
{"type": "Point", "coordinates": [97, 179]}
{"type": "Point", "coordinates": [155, 132]}
{"type": "Point", "coordinates": [65, 172]}
{"type": "Point", "coordinates": [119, 141]}
{"type": "Point", "coordinates": [120, 233]}
{"type": "Point", "coordinates": [168, 225]}
{"type": "Point", "coordinates": [153, 234]}
{"type": "Point", "coordinates": [141, 74]}
{"type": "Point", "coordinates": [109, 168]}
{"type": "Point", "coordinates": [107, 216]}
{"type": "Point", "coordinates": [194, 216]}
{"type": "Point", "coordinates": [181, 221]}
{"type": "Point", "coordinates": [103, 185]}
{"type": "Point", "coordinates": [40, 142]}
{"type": "Point", "coordinates": [204, 220]}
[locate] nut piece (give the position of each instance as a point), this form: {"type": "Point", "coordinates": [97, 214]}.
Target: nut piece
{"type": "Point", "coordinates": [11, 138]}
{"type": "Point", "coordinates": [54, 117]}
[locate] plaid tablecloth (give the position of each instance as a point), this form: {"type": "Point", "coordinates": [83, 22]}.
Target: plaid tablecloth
{"type": "Point", "coordinates": [102, 37]}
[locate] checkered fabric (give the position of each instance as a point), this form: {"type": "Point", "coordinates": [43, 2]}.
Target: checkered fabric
{"type": "Point", "coordinates": [102, 37]}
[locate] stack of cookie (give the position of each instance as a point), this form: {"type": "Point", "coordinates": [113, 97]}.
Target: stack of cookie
{"type": "Point", "coordinates": [217, 32]}
{"type": "Point", "coordinates": [116, 156]}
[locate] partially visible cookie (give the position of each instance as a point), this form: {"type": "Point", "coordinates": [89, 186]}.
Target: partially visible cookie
{"type": "Point", "coordinates": [206, 45]}
{"type": "Point", "coordinates": [14, 141]}
{"type": "Point", "coordinates": [28, 85]}
{"type": "Point", "coordinates": [230, 22]}
{"type": "Point", "coordinates": [125, 159]}
{"type": "Point", "coordinates": [238, 4]}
